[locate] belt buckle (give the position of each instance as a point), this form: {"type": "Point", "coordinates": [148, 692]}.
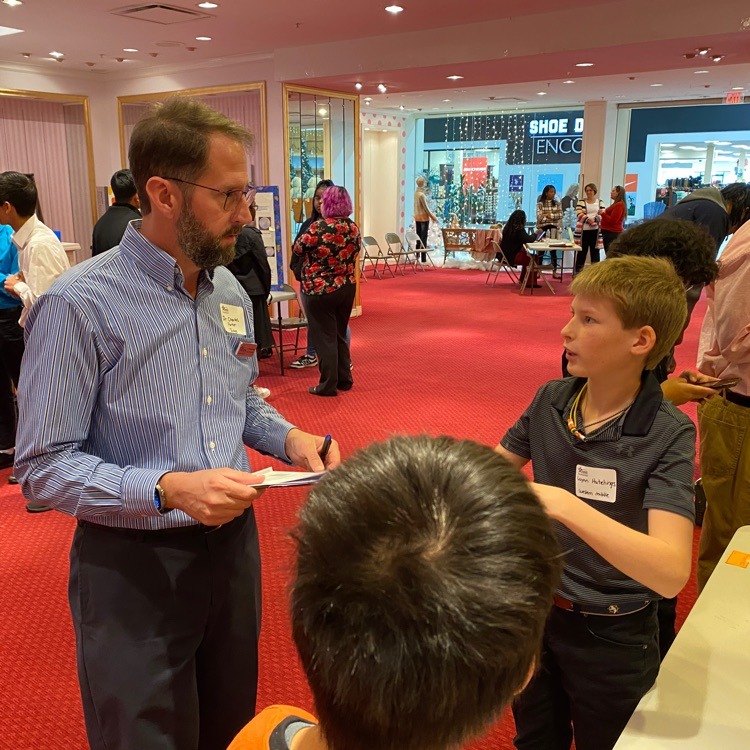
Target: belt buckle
{"type": "Point", "coordinates": [613, 609]}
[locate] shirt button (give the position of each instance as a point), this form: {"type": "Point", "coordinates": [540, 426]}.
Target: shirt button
{"type": "Point", "coordinates": [208, 399]}
{"type": "Point", "coordinates": [169, 288]}
{"type": "Point", "coordinates": [212, 445]}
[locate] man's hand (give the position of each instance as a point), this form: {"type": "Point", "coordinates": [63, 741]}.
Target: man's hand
{"type": "Point", "coordinates": [304, 450]}
{"type": "Point", "coordinates": [10, 283]}
{"type": "Point", "coordinates": [211, 496]}
{"type": "Point", "coordinates": [553, 499]}
{"type": "Point", "coordinates": [688, 386]}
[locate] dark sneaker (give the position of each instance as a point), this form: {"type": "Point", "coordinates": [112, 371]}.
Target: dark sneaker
{"type": "Point", "coordinates": [304, 361]}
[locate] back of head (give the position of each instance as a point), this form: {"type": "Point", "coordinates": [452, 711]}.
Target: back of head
{"type": "Point", "coordinates": [516, 221]}
{"type": "Point", "coordinates": [173, 140]}
{"type": "Point", "coordinates": [421, 182]}
{"type": "Point", "coordinates": [644, 292]}
{"type": "Point", "coordinates": [572, 191]}
{"type": "Point", "coordinates": [738, 195]}
{"type": "Point", "coordinates": [123, 186]}
{"type": "Point", "coordinates": [20, 191]}
{"type": "Point", "coordinates": [687, 245]}
{"type": "Point", "coordinates": [336, 203]}
{"type": "Point", "coordinates": [425, 573]}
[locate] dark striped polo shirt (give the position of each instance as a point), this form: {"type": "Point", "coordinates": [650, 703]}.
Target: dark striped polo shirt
{"type": "Point", "coordinates": [642, 461]}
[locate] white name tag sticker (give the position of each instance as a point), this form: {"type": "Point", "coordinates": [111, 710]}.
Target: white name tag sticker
{"type": "Point", "coordinates": [596, 484]}
{"type": "Point", "coordinates": [233, 319]}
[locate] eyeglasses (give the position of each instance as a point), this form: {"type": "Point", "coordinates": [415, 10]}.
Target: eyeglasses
{"type": "Point", "coordinates": [232, 198]}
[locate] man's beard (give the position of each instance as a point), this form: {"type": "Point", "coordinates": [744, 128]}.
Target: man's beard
{"type": "Point", "coordinates": [202, 248]}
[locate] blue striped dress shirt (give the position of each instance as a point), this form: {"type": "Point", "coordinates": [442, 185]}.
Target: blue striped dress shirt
{"type": "Point", "coordinates": [126, 377]}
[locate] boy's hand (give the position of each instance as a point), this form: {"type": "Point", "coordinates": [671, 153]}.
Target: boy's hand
{"type": "Point", "coordinates": [554, 499]}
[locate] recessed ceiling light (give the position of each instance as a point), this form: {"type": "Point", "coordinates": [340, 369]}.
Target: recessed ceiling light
{"type": "Point", "coordinates": [446, 100]}
{"type": "Point", "coordinates": [657, 84]}
{"type": "Point", "coordinates": [454, 78]}
{"type": "Point", "coordinates": [699, 72]}
{"type": "Point", "coordinates": [13, 3]}
{"type": "Point", "coordinates": [541, 93]}
{"type": "Point", "coordinates": [129, 49]}
{"type": "Point", "coordinates": [207, 5]}
{"type": "Point", "coordinates": [738, 88]}
{"type": "Point", "coordinates": [56, 54]}
{"type": "Point", "coordinates": [358, 86]}
{"type": "Point", "coordinates": [26, 54]}
{"type": "Point", "coordinates": [702, 50]}
{"type": "Point", "coordinates": [394, 9]}
{"type": "Point", "coordinates": [203, 39]}
{"type": "Point", "coordinates": [401, 107]}
{"type": "Point", "coordinates": [568, 81]}
{"type": "Point", "coordinates": [717, 58]}
{"type": "Point", "coordinates": [382, 88]}
{"type": "Point", "coordinates": [368, 98]}
{"type": "Point", "coordinates": [322, 111]}
{"type": "Point", "coordinates": [584, 65]}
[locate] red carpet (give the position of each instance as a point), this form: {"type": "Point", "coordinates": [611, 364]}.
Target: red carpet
{"type": "Point", "coordinates": [435, 353]}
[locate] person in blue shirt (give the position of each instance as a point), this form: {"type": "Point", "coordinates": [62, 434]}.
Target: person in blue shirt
{"type": "Point", "coordinates": [136, 406]}
{"type": "Point", "coordinates": [11, 349]}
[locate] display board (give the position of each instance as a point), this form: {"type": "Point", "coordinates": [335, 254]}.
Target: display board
{"type": "Point", "coordinates": [268, 221]}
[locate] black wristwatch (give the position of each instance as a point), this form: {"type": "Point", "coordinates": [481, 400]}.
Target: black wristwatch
{"type": "Point", "coordinates": [160, 500]}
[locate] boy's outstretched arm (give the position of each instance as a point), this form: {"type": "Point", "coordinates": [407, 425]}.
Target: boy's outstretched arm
{"type": "Point", "coordinates": [518, 461]}
{"type": "Point", "coordinates": [659, 560]}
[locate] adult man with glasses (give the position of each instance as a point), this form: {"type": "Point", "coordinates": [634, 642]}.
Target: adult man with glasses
{"type": "Point", "coordinates": [146, 400]}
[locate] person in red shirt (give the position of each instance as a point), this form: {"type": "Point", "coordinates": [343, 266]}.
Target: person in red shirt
{"type": "Point", "coordinates": [613, 217]}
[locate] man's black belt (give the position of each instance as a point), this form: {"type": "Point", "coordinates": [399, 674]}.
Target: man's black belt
{"type": "Point", "coordinates": [737, 398]}
{"type": "Point", "coordinates": [141, 535]}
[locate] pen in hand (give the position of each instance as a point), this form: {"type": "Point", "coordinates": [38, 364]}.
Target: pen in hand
{"type": "Point", "coordinates": [325, 447]}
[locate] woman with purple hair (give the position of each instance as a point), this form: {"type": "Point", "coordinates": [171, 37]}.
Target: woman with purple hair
{"type": "Point", "coordinates": [329, 250]}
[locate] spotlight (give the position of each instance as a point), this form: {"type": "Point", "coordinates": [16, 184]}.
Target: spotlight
{"type": "Point", "coordinates": [382, 88]}
{"type": "Point", "coordinates": [358, 86]}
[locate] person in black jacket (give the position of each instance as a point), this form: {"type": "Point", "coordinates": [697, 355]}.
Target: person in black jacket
{"type": "Point", "coordinates": [111, 226]}
{"type": "Point", "coordinates": [512, 243]}
{"type": "Point", "coordinates": [250, 266]}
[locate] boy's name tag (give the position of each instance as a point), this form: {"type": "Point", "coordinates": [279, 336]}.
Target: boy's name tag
{"type": "Point", "coordinates": [233, 319]}
{"type": "Point", "coordinates": [245, 349]}
{"type": "Point", "coordinates": [596, 484]}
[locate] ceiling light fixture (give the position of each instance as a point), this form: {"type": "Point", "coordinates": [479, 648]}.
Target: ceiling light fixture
{"type": "Point", "coordinates": [394, 9]}
{"type": "Point", "coordinates": [702, 50]}
{"type": "Point", "coordinates": [7, 30]}
{"type": "Point", "coordinates": [454, 78]}
{"type": "Point", "coordinates": [584, 65]}
{"type": "Point", "coordinates": [446, 100]}
{"type": "Point", "coordinates": [26, 55]}
{"type": "Point", "coordinates": [568, 81]}
{"type": "Point", "coordinates": [401, 107]}
{"type": "Point", "coordinates": [382, 88]}
{"type": "Point", "coordinates": [56, 54]}
{"type": "Point", "coordinates": [541, 93]}
{"type": "Point", "coordinates": [322, 111]}
{"type": "Point", "coordinates": [717, 58]}
{"type": "Point", "coordinates": [129, 49]}
{"type": "Point", "coordinates": [207, 5]}
{"type": "Point", "coordinates": [203, 39]}
{"type": "Point", "coordinates": [13, 3]}
{"type": "Point", "coordinates": [699, 72]}
{"type": "Point", "coordinates": [738, 88]}
{"type": "Point", "coordinates": [654, 85]}
{"type": "Point", "coordinates": [358, 86]}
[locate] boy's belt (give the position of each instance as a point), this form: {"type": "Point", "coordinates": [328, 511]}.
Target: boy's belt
{"type": "Point", "coordinates": [611, 610]}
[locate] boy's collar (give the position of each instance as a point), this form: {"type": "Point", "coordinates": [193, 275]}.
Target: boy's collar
{"type": "Point", "coordinates": [641, 414]}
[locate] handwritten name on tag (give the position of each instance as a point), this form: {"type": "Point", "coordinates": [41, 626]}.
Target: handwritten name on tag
{"type": "Point", "coordinates": [596, 484]}
{"type": "Point", "coordinates": [233, 319]}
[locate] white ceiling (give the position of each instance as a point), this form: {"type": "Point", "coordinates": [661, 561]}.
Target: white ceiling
{"type": "Point", "coordinates": [506, 49]}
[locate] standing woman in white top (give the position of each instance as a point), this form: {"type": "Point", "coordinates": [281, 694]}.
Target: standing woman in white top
{"type": "Point", "coordinates": [422, 214]}
{"type": "Point", "coordinates": [589, 211]}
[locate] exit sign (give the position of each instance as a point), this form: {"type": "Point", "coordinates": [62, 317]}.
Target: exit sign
{"type": "Point", "coordinates": [734, 97]}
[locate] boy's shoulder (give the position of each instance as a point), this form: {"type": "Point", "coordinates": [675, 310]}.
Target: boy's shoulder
{"type": "Point", "coordinates": [267, 730]}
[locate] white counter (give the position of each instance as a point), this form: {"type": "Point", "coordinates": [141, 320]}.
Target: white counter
{"type": "Point", "coordinates": [702, 695]}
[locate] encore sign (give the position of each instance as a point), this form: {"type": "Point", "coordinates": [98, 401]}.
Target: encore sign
{"type": "Point", "coordinates": [734, 97]}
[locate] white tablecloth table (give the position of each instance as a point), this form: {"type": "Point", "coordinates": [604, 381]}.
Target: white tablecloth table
{"type": "Point", "coordinates": [702, 695]}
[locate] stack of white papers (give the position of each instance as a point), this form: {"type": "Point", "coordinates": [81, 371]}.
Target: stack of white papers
{"type": "Point", "coordinates": [270, 478]}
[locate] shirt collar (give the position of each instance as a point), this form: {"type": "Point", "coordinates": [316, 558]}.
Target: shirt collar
{"type": "Point", "coordinates": [157, 264]}
{"type": "Point", "coordinates": [641, 414]}
{"type": "Point", "coordinates": [21, 237]}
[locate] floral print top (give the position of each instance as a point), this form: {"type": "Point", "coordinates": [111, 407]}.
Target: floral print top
{"type": "Point", "coordinates": [329, 251]}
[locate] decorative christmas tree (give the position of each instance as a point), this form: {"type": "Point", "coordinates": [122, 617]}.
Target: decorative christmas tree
{"type": "Point", "coordinates": [307, 170]}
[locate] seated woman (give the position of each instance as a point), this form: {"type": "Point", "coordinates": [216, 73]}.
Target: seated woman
{"type": "Point", "coordinates": [329, 250]}
{"type": "Point", "coordinates": [514, 238]}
